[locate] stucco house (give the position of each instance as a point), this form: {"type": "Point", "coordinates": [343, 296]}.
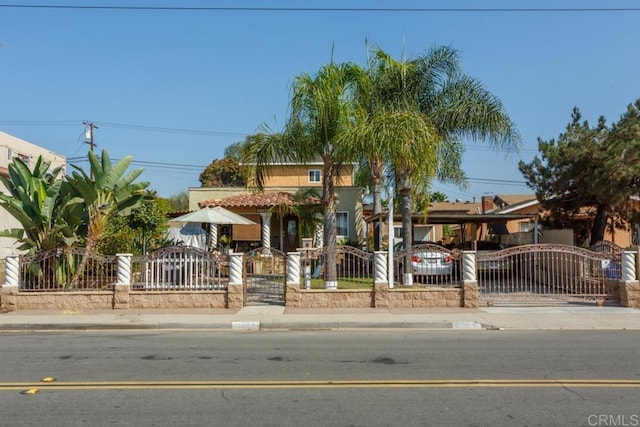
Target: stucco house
{"type": "Point", "coordinates": [11, 147]}
{"type": "Point", "coordinates": [508, 218]}
{"type": "Point", "coordinates": [275, 228]}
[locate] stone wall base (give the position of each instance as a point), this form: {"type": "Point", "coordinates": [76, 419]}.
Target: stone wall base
{"type": "Point", "coordinates": [380, 297]}
{"type": "Point", "coordinates": [630, 294]}
{"type": "Point", "coordinates": [119, 299]}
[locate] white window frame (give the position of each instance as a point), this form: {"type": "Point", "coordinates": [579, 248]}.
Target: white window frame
{"type": "Point", "coordinates": [313, 173]}
{"type": "Point", "coordinates": [338, 234]}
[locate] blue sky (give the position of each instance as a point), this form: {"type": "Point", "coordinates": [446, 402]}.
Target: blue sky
{"type": "Point", "coordinates": [227, 72]}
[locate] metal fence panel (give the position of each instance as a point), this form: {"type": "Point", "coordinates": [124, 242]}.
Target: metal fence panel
{"type": "Point", "coordinates": [60, 270]}
{"type": "Point", "coordinates": [180, 268]}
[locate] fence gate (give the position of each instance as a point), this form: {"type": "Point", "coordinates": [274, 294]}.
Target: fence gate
{"type": "Point", "coordinates": [546, 273]}
{"type": "Point", "coordinates": [264, 277]}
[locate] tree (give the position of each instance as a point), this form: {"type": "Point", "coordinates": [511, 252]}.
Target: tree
{"type": "Point", "coordinates": [417, 113]}
{"type": "Point", "coordinates": [589, 170]}
{"type": "Point", "coordinates": [321, 111]}
{"type": "Point", "coordinates": [140, 231]}
{"type": "Point", "coordinates": [222, 172]}
{"type": "Point", "coordinates": [179, 202]}
{"type": "Point", "coordinates": [107, 192]}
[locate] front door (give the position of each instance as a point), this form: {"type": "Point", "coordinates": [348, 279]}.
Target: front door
{"type": "Point", "coordinates": [290, 238]}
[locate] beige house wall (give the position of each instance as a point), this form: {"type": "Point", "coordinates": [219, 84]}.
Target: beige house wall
{"type": "Point", "coordinates": [349, 200]}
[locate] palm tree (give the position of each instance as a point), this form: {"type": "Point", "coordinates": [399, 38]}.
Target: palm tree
{"type": "Point", "coordinates": [413, 116]}
{"type": "Point", "coordinates": [321, 110]}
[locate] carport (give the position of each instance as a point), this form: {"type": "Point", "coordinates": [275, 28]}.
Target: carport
{"type": "Point", "coordinates": [484, 221]}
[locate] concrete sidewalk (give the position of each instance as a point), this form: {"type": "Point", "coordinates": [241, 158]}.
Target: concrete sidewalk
{"type": "Point", "coordinates": [577, 317]}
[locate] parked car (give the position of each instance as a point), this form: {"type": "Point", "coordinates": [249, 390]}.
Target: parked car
{"type": "Point", "coordinates": [483, 247]}
{"type": "Point", "coordinates": [429, 261]}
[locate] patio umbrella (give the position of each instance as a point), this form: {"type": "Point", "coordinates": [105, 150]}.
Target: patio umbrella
{"type": "Point", "coordinates": [214, 216]}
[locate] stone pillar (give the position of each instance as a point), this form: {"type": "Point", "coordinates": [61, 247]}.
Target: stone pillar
{"type": "Point", "coordinates": [381, 279]}
{"type": "Point", "coordinates": [629, 284]}
{"type": "Point", "coordinates": [123, 285]}
{"type": "Point", "coordinates": [266, 232]}
{"type": "Point", "coordinates": [9, 293]}
{"type": "Point", "coordinates": [469, 266]}
{"type": "Point", "coordinates": [470, 294]}
{"type": "Point", "coordinates": [470, 291]}
{"type": "Point", "coordinates": [235, 291]}
{"type": "Point", "coordinates": [629, 266]}
{"type": "Point", "coordinates": [293, 296]}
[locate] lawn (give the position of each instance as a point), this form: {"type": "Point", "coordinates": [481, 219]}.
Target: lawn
{"type": "Point", "coordinates": [343, 283]}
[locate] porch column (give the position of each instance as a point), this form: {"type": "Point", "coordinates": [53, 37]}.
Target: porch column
{"type": "Point", "coordinates": [213, 236]}
{"type": "Point", "coordinates": [266, 231]}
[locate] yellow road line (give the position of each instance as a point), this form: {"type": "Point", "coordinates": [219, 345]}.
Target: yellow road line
{"type": "Point", "coordinates": [320, 384]}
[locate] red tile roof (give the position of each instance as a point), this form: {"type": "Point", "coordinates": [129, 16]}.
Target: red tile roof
{"type": "Point", "coordinates": [260, 200]}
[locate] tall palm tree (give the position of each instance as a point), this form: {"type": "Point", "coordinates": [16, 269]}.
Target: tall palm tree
{"type": "Point", "coordinates": [321, 111]}
{"type": "Point", "coordinates": [413, 117]}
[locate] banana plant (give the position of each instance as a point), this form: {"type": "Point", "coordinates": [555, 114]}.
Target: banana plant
{"type": "Point", "coordinates": [108, 191]}
{"type": "Point", "coordinates": [36, 200]}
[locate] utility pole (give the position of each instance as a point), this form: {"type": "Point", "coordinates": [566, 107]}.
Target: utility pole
{"type": "Point", "coordinates": [88, 138]}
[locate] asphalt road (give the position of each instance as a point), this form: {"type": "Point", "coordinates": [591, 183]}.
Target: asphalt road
{"type": "Point", "coordinates": [466, 378]}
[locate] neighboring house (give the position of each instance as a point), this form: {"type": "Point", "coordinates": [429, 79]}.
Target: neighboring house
{"type": "Point", "coordinates": [452, 222]}
{"type": "Point", "coordinates": [11, 147]}
{"type": "Point", "coordinates": [278, 230]}
{"type": "Point", "coordinates": [509, 219]}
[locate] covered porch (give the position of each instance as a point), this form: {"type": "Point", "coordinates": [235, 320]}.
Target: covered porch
{"type": "Point", "coordinates": [276, 224]}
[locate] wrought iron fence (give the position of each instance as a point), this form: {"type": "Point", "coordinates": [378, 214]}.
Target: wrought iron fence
{"type": "Point", "coordinates": [429, 264]}
{"type": "Point", "coordinates": [354, 267]}
{"type": "Point", "coordinates": [178, 268]}
{"type": "Point", "coordinates": [613, 252]}
{"type": "Point", "coordinates": [545, 271]}
{"type": "Point", "coordinates": [264, 276]}
{"type": "Point", "coordinates": [67, 270]}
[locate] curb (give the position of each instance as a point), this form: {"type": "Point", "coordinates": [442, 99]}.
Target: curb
{"type": "Point", "coordinates": [240, 326]}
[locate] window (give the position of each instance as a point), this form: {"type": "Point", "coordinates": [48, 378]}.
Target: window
{"type": "Point", "coordinates": [23, 157]}
{"type": "Point", "coordinates": [342, 224]}
{"type": "Point", "coordinates": [314, 175]}
{"type": "Point", "coordinates": [525, 226]}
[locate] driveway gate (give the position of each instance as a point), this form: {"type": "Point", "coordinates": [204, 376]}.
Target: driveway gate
{"type": "Point", "coordinates": [264, 277]}
{"type": "Point", "coordinates": [545, 273]}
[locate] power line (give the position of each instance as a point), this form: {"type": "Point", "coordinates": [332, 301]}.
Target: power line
{"type": "Point", "coordinates": [324, 9]}
{"type": "Point", "coordinates": [170, 130]}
